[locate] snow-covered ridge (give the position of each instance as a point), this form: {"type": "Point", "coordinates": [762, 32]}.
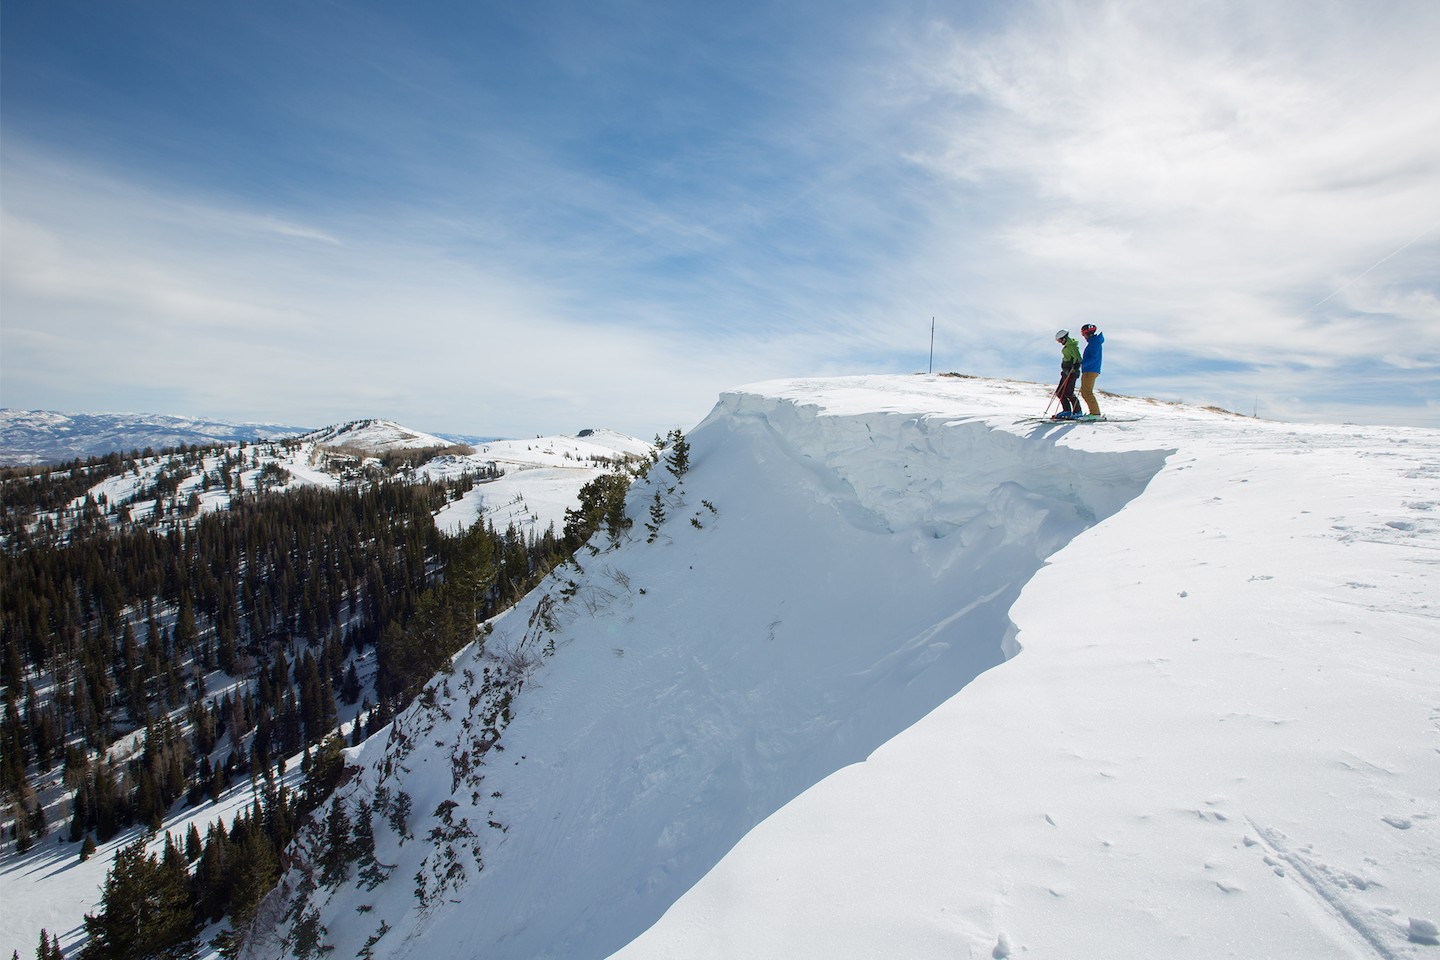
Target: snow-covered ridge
{"type": "Point", "coordinates": [893, 472]}
{"type": "Point", "coordinates": [777, 718]}
{"type": "Point", "coordinates": [1220, 738]}
{"type": "Point", "coordinates": [527, 484]}
{"type": "Point", "coordinates": [374, 436]}
{"type": "Point", "coordinates": [819, 581]}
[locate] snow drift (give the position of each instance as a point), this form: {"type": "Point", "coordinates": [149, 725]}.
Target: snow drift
{"type": "Point", "coordinates": [742, 720]}
{"type": "Point", "coordinates": [842, 576]}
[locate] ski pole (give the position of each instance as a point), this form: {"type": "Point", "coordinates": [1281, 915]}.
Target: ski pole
{"type": "Point", "coordinates": [1055, 394]}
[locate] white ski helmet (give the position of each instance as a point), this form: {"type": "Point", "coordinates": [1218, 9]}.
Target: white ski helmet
{"type": "Point", "coordinates": [1062, 335]}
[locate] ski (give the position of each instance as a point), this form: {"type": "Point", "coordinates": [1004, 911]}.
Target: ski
{"type": "Point", "coordinates": [1086, 419]}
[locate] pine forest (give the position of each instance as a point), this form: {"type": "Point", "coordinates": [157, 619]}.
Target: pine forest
{"type": "Point", "coordinates": [154, 653]}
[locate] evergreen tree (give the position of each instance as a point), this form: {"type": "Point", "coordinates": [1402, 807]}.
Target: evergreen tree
{"type": "Point", "coordinates": [339, 849]}
{"type": "Point", "coordinates": [49, 948]}
{"type": "Point", "coordinates": [123, 618]}
{"type": "Point", "coordinates": [144, 912]}
{"type": "Point", "coordinates": [307, 936]}
{"type": "Point", "coordinates": [602, 503]}
{"type": "Point", "coordinates": [678, 458]}
{"type": "Point", "coordinates": [212, 876]}
{"type": "Point", "coordinates": [350, 688]}
{"type": "Point", "coordinates": [193, 846]}
{"type": "Point", "coordinates": [255, 867]}
{"type": "Point", "coordinates": [24, 840]}
{"type": "Point", "coordinates": [372, 873]}
{"type": "Point", "coordinates": [14, 746]}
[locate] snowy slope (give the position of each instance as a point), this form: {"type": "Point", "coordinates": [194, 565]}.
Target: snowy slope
{"type": "Point", "coordinates": [1220, 738]}
{"type": "Point", "coordinates": [789, 727]}
{"type": "Point", "coordinates": [374, 435]}
{"type": "Point", "coordinates": [48, 887]}
{"type": "Point", "coordinates": [541, 478]}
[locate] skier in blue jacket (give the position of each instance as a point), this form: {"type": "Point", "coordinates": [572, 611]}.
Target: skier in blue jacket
{"type": "Point", "coordinates": [1090, 366]}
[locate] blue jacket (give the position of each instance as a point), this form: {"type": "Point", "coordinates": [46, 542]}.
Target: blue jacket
{"type": "Point", "coordinates": [1090, 359]}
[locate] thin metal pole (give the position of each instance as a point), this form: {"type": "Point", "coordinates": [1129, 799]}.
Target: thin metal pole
{"type": "Point", "coordinates": [932, 345]}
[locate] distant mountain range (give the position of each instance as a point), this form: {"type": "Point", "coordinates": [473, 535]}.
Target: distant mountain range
{"type": "Point", "coordinates": [31, 437]}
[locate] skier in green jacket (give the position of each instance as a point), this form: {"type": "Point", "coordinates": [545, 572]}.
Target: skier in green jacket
{"type": "Point", "coordinates": [1069, 374]}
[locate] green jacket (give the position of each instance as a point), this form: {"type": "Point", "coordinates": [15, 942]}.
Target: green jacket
{"type": "Point", "coordinates": [1070, 355]}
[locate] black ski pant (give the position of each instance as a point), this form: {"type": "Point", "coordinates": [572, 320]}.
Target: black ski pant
{"type": "Point", "coordinates": [1066, 391]}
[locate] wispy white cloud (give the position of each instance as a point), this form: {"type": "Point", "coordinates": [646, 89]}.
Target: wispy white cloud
{"type": "Point", "coordinates": [648, 208]}
{"type": "Point", "coordinates": [1218, 179]}
{"type": "Point", "coordinates": [114, 291]}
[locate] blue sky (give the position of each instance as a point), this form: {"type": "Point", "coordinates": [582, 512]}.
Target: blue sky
{"type": "Point", "coordinates": [507, 218]}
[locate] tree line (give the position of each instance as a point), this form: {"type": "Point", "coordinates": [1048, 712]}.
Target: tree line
{"type": "Point", "coordinates": [112, 629]}
{"type": "Point", "coordinates": [119, 629]}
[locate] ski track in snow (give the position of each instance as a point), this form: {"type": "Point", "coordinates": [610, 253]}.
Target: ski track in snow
{"type": "Point", "coordinates": [1320, 881]}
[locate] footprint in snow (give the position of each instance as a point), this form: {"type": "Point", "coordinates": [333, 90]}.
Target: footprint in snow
{"type": "Point", "coordinates": [1002, 947]}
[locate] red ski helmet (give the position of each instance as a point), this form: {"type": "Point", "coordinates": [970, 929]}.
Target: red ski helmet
{"type": "Point", "coordinates": [1087, 330]}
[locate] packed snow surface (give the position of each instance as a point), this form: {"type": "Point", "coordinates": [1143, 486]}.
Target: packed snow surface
{"type": "Point", "coordinates": [897, 671]}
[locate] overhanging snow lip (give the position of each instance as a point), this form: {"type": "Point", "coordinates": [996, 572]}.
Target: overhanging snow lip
{"type": "Point", "coordinates": [835, 679]}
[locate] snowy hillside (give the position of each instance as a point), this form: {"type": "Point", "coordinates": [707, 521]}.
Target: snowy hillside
{"type": "Point", "coordinates": [48, 886]}
{"type": "Point", "coordinates": [525, 483]}
{"type": "Point", "coordinates": [892, 670]}
{"type": "Point", "coordinates": [375, 436]}
{"type": "Point", "coordinates": [538, 479]}
{"type": "Point", "coordinates": [541, 478]}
